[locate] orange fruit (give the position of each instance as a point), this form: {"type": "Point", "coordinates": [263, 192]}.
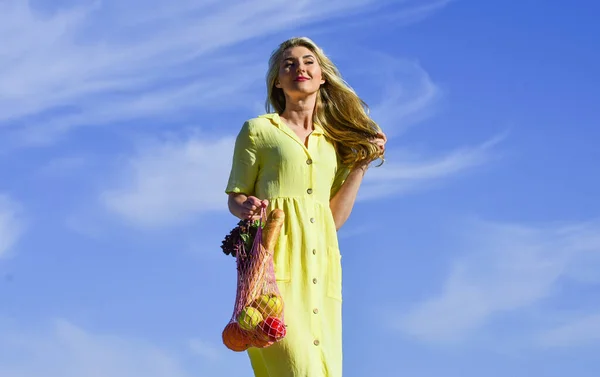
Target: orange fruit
{"type": "Point", "coordinates": [260, 342]}
{"type": "Point", "coordinates": [234, 338]}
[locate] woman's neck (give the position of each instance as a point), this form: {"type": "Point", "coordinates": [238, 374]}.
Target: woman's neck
{"type": "Point", "coordinates": [299, 113]}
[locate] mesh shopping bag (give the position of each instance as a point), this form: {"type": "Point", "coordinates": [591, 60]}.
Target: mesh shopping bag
{"type": "Point", "coordinates": [257, 319]}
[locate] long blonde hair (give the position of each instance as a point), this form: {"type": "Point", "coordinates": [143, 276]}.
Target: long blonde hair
{"type": "Point", "coordinates": [341, 113]}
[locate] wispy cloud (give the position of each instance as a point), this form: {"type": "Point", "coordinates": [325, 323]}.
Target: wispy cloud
{"type": "Point", "coordinates": [171, 181]}
{"type": "Point", "coordinates": [579, 331]}
{"type": "Point", "coordinates": [103, 63]}
{"type": "Point", "coordinates": [418, 10]}
{"type": "Point", "coordinates": [408, 172]}
{"type": "Point", "coordinates": [408, 95]}
{"type": "Point", "coordinates": [204, 349]}
{"type": "Point", "coordinates": [70, 351]}
{"type": "Point", "coordinates": [11, 224]}
{"type": "Point", "coordinates": [503, 269]}
{"type": "Point", "coordinates": [395, 13]}
{"type": "Point", "coordinates": [174, 180]}
{"type": "Point", "coordinates": [106, 62]}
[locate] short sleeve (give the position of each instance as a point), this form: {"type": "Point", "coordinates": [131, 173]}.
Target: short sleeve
{"type": "Point", "coordinates": [244, 167]}
{"type": "Point", "coordinates": [340, 177]}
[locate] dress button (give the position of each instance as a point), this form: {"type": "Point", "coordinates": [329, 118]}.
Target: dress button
{"type": "Point", "coordinates": [312, 219]}
{"type": "Point", "coordinates": [316, 342]}
{"type": "Point", "coordinates": [309, 191]}
{"type": "Point", "coordinates": [315, 281]}
{"type": "Point", "coordinates": [316, 311]}
{"type": "Point", "coordinates": [314, 251]}
{"type": "Point", "coordinates": [308, 162]}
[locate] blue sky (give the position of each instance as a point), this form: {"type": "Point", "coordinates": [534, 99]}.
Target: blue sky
{"type": "Point", "coordinates": [475, 250]}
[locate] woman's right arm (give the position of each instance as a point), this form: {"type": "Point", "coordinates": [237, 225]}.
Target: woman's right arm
{"type": "Point", "coordinates": [245, 207]}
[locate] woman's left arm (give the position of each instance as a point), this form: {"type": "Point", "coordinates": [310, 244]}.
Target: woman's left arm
{"type": "Point", "coordinates": [342, 202]}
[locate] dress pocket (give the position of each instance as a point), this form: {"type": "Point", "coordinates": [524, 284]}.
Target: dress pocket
{"type": "Point", "coordinates": [334, 273]}
{"type": "Point", "coordinates": [281, 265]}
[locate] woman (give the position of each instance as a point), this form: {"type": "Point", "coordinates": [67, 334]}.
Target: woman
{"type": "Point", "coordinates": [308, 158]}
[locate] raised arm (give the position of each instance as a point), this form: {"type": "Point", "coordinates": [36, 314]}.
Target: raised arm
{"type": "Point", "coordinates": [342, 202]}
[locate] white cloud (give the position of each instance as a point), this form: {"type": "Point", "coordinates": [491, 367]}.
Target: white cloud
{"type": "Point", "coordinates": [11, 224]}
{"type": "Point", "coordinates": [418, 11]}
{"type": "Point", "coordinates": [507, 268]}
{"type": "Point", "coordinates": [580, 331]}
{"type": "Point", "coordinates": [171, 181]}
{"type": "Point", "coordinates": [395, 13]}
{"type": "Point", "coordinates": [175, 180]}
{"type": "Point", "coordinates": [69, 351]}
{"type": "Point", "coordinates": [64, 349]}
{"type": "Point", "coordinates": [397, 177]}
{"type": "Point", "coordinates": [205, 349]}
{"type": "Point", "coordinates": [109, 61]}
{"type": "Point", "coordinates": [408, 94]}
{"type": "Point", "coordinates": [106, 62]}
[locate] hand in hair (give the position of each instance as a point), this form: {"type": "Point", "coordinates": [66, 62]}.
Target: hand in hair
{"type": "Point", "coordinates": [380, 139]}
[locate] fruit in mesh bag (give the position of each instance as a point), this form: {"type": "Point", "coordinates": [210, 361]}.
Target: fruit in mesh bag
{"type": "Point", "coordinates": [260, 342]}
{"type": "Point", "coordinates": [235, 339]}
{"type": "Point", "coordinates": [273, 328]}
{"type": "Point", "coordinates": [269, 305]}
{"type": "Point", "coordinates": [249, 318]}
{"type": "Point", "coordinates": [257, 295]}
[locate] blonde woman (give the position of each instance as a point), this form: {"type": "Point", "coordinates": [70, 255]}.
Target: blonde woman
{"type": "Point", "coordinates": [306, 156]}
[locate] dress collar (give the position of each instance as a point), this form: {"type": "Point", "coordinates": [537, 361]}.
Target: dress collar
{"type": "Point", "coordinates": [278, 122]}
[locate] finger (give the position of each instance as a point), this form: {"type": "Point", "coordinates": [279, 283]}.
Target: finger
{"type": "Point", "coordinates": [254, 200]}
{"type": "Point", "coordinates": [378, 135]}
{"type": "Point", "coordinates": [250, 207]}
{"type": "Point", "coordinates": [265, 203]}
{"type": "Point", "coordinates": [378, 139]}
{"type": "Point", "coordinates": [379, 143]}
{"type": "Point", "coordinates": [251, 203]}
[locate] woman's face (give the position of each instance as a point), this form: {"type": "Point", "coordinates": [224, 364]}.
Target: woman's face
{"type": "Point", "coordinates": [299, 72]}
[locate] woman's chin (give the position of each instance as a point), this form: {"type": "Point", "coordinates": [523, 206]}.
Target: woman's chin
{"type": "Point", "coordinates": [302, 92]}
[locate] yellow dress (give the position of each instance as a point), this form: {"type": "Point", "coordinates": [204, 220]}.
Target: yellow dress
{"type": "Point", "coordinates": [271, 162]}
